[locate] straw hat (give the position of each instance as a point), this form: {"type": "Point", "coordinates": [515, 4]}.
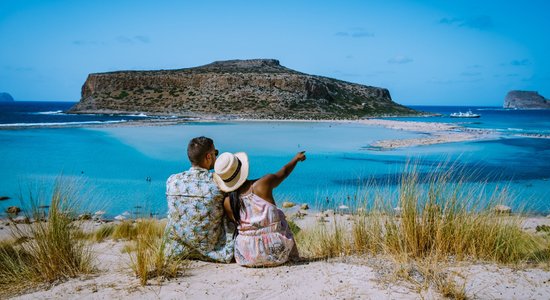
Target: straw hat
{"type": "Point", "coordinates": [231, 171]}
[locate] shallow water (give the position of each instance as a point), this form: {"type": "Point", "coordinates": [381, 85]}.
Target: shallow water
{"type": "Point", "coordinates": [113, 163]}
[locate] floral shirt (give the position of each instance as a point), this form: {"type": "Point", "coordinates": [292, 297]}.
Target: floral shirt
{"type": "Point", "coordinates": [196, 222]}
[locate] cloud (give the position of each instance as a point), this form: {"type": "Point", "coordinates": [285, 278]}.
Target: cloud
{"type": "Point", "coordinates": [469, 74]}
{"type": "Point", "coordinates": [400, 59]}
{"type": "Point", "coordinates": [479, 22]}
{"type": "Point", "coordinates": [356, 32]}
{"type": "Point", "coordinates": [519, 63]}
{"type": "Point", "coordinates": [131, 40]}
{"type": "Point", "coordinates": [142, 38]}
{"type": "Point", "coordinates": [451, 81]}
{"type": "Point", "coordinates": [83, 42]}
{"type": "Point", "coordinates": [18, 69]}
{"type": "Point", "coordinates": [122, 39]}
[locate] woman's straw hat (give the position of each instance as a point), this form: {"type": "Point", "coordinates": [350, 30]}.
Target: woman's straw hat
{"type": "Point", "coordinates": [231, 171]}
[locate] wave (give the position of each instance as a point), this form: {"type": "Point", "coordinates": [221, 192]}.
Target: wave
{"type": "Point", "coordinates": [60, 123]}
{"type": "Point", "coordinates": [55, 112]}
{"type": "Point", "coordinates": [494, 109]}
{"type": "Point", "coordinates": [142, 115]}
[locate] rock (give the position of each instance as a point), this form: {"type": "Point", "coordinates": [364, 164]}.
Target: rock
{"type": "Point", "coordinates": [120, 218]}
{"type": "Point", "coordinates": [255, 88]}
{"type": "Point", "coordinates": [14, 210]}
{"type": "Point", "coordinates": [329, 212]}
{"type": "Point", "coordinates": [343, 209]}
{"type": "Point", "coordinates": [98, 215]}
{"type": "Point", "coordinates": [525, 99]}
{"type": "Point", "coordinates": [288, 204]}
{"type": "Point", "coordinates": [21, 220]}
{"type": "Point", "coordinates": [397, 211]}
{"type": "Point", "coordinates": [304, 206]}
{"type": "Point", "coordinates": [502, 209]}
{"type": "Point", "coordinates": [84, 217]}
{"type": "Point", "coordinates": [5, 97]}
{"type": "Point", "coordinates": [3, 198]}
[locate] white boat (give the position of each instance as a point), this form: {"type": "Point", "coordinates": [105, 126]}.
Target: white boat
{"type": "Point", "coordinates": [467, 114]}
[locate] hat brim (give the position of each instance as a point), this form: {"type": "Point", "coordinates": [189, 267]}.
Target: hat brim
{"type": "Point", "coordinates": [238, 180]}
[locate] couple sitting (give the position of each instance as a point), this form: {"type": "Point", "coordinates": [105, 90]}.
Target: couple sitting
{"type": "Point", "coordinates": [205, 208]}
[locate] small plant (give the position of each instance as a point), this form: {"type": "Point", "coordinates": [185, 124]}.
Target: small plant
{"type": "Point", "coordinates": [123, 94]}
{"type": "Point", "coordinates": [48, 250]}
{"type": "Point", "coordinates": [147, 254]}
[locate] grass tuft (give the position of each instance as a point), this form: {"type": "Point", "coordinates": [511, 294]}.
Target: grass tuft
{"type": "Point", "coordinates": [48, 250]}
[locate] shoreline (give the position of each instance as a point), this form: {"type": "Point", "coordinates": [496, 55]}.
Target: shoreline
{"type": "Point", "coordinates": [435, 132]}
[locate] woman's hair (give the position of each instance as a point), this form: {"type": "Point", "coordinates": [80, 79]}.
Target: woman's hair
{"type": "Point", "coordinates": [236, 206]}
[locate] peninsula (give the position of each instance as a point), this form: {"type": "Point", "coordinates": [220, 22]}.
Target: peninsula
{"type": "Point", "coordinates": [257, 88]}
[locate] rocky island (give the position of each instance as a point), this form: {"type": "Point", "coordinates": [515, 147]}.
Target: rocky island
{"type": "Point", "coordinates": [5, 97]}
{"type": "Point", "coordinates": [525, 100]}
{"type": "Point", "coordinates": [257, 88]}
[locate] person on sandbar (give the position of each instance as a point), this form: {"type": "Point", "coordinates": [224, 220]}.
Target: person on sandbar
{"type": "Point", "coordinates": [197, 227]}
{"type": "Point", "coordinates": [263, 237]}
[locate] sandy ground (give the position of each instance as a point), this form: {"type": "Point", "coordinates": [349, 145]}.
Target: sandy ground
{"type": "Point", "coordinates": [434, 133]}
{"type": "Point", "coordinates": [341, 278]}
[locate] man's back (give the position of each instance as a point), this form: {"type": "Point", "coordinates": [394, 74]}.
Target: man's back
{"type": "Point", "coordinates": [196, 224]}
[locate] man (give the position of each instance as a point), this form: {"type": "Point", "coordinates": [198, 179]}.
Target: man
{"type": "Point", "coordinates": [196, 225]}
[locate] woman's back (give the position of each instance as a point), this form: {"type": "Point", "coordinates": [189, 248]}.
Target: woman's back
{"type": "Point", "coordinates": [264, 237]}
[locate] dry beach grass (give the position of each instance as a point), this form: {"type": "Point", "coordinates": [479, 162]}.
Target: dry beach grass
{"type": "Point", "coordinates": [442, 232]}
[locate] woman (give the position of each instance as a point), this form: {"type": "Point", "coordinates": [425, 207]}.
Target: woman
{"type": "Point", "coordinates": [264, 237]}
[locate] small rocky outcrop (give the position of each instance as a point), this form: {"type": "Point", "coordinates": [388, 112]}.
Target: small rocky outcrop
{"type": "Point", "coordinates": [256, 88]}
{"type": "Point", "coordinates": [14, 210]}
{"type": "Point", "coordinates": [525, 100]}
{"type": "Point", "coordinates": [5, 97]}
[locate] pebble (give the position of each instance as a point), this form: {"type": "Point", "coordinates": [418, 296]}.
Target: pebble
{"type": "Point", "coordinates": [502, 209]}
{"type": "Point", "coordinates": [288, 204]}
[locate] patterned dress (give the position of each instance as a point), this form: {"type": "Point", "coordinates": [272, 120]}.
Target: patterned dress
{"type": "Point", "coordinates": [197, 227]}
{"type": "Point", "coordinates": [264, 236]}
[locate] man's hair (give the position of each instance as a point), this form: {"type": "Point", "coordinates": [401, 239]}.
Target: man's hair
{"type": "Point", "coordinates": [198, 148]}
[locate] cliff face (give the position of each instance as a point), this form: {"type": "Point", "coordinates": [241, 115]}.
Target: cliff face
{"type": "Point", "coordinates": [525, 99]}
{"type": "Point", "coordinates": [5, 97]}
{"type": "Point", "coordinates": [260, 88]}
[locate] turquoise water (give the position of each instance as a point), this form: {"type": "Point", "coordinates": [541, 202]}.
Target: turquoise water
{"type": "Point", "coordinates": [113, 163]}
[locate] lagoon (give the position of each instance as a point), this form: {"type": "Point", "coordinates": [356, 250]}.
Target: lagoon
{"type": "Point", "coordinates": [112, 163]}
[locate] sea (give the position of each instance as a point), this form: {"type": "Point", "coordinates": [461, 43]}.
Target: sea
{"type": "Point", "coordinates": [121, 169]}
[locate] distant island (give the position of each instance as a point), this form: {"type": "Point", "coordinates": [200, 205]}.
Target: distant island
{"type": "Point", "coordinates": [5, 97]}
{"type": "Point", "coordinates": [525, 100]}
{"type": "Point", "coordinates": [256, 88]}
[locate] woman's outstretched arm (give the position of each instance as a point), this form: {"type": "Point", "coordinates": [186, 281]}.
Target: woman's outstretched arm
{"type": "Point", "coordinates": [273, 180]}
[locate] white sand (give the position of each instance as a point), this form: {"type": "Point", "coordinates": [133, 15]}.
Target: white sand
{"type": "Point", "coordinates": [434, 132]}
{"type": "Point", "coordinates": [341, 278]}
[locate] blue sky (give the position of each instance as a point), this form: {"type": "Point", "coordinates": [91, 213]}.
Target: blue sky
{"type": "Point", "coordinates": [424, 52]}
